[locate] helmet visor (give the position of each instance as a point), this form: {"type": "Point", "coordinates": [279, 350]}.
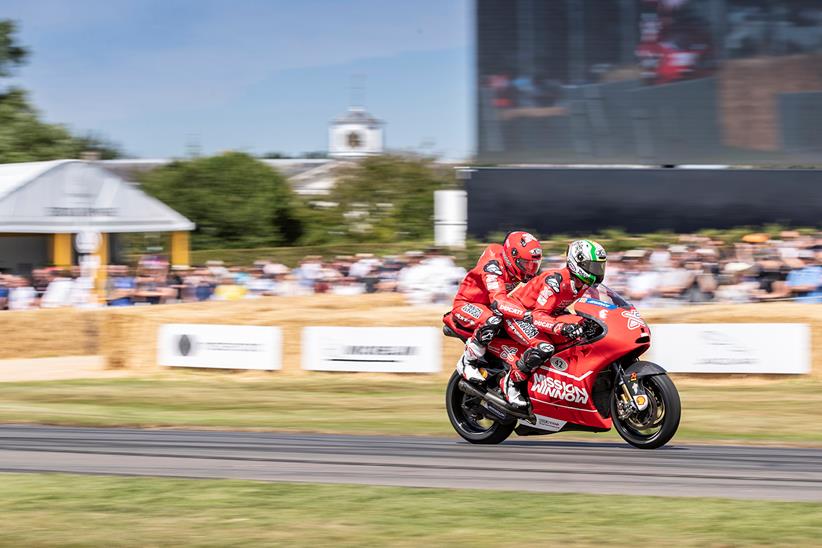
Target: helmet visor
{"type": "Point", "coordinates": [529, 267]}
{"type": "Point", "coordinates": [595, 268]}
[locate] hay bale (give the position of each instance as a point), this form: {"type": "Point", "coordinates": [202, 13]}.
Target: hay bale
{"type": "Point", "coordinates": [127, 337]}
{"type": "Point", "coordinates": [50, 333]}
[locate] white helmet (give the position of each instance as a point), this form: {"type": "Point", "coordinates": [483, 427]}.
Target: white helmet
{"type": "Point", "coordinates": [586, 261]}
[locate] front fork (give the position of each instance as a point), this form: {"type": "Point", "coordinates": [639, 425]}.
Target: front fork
{"type": "Point", "coordinates": [631, 396]}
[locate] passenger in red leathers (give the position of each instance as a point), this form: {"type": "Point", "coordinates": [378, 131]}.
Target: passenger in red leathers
{"type": "Point", "coordinates": [547, 297]}
{"type": "Point", "coordinates": [482, 301]}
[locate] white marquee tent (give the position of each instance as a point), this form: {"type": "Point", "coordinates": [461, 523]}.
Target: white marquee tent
{"type": "Point", "coordinates": [60, 198]}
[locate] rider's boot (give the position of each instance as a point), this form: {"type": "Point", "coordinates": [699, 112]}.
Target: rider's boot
{"type": "Point", "coordinates": [467, 364]}
{"type": "Point", "coordinates": [511, 391]}
{"type": "Point", "coordinates": [531, 359]}
{"type": "Point", "coordinates": [475, 349]}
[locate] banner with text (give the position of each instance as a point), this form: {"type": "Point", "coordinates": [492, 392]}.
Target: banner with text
{"type": "Point", "coordinates": [374, 349]}
{"type": "Point", "coordinates": [220, 346]}
{"type": "Point", "coordinates": [782, 348]}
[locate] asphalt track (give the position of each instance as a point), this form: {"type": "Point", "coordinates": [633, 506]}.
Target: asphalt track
{"type": "Point", "coordinates": [527, 464]}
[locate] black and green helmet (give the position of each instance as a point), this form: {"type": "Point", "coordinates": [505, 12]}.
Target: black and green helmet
{"type": "Point", "coordinates": [586, 261]}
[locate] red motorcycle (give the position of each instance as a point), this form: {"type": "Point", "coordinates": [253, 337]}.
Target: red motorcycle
{"type": "Point", "coordinates": [590, 384]}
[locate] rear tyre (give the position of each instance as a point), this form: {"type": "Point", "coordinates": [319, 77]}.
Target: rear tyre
{"type": "Point", "coordinates": [464, 412]}
{"type": "Point", "coordinates": [655, 426]}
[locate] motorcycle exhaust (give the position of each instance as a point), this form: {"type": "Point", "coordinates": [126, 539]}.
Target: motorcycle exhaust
{"type": "Point", "coordinates": [468, 388]}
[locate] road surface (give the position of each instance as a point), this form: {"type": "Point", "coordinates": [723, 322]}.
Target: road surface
{"type": "Point", "coordinates": [528, 464]}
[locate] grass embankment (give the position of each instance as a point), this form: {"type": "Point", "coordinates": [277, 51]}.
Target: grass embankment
{"type": "Point", "coordinates": [733, 411]}
{"type": "Point", "coordinates": [55, 509]}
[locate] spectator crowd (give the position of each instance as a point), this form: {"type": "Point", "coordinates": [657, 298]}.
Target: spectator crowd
{"type": "Point", "coordinates": [697, 269]}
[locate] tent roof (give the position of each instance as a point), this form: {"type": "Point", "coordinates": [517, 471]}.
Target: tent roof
{"type": "Point", "coordinates": [13, 176]}
{"type": "Point", "coordinates": [72, 195]}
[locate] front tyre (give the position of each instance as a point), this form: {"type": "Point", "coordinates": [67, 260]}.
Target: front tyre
{"type": "Point", "coordinates": [466, 415]}
{"type": "Point", "coordinates": [655, 426]}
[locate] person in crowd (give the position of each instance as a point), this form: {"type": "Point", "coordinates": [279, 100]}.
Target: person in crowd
{"type": "Point", "coordinates": [805, 282]}
{"type": "Point", "coordinates": [40, 280]}
{"type": "Point", "coordinates": [204, 284]}
{"type": "Point", "coordinates": [22, 295]}
{"type": "Point", "coordinates": [60, 291]}
{"type": "Point", "coordinates": [4, 292]}
{"type": "Point", "coordinates": [121, 287]}
{"type": "Point", "coordinates": [229, 289]}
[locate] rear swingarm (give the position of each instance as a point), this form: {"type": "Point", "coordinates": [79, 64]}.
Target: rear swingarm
{"type": "Point", "coordinates": [491, 398]}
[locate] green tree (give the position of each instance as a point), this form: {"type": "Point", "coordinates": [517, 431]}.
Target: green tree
{"type": "Point", "coordinates": [384, 198]}
{"type": "Point", "coordinates": [12, 54]}
{"type": "Point", "coordinates": [236, 200]}
{"type": "Point", "coordinates": [23, 136]}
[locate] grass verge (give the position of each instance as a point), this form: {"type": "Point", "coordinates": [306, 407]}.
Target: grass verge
{"type": "Point", "coordinates": [58, 509]}
{"type": "Point", "coordinates": [735, 411]}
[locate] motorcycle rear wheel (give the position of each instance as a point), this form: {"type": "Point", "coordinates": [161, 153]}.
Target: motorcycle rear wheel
{"type": "Point", "coordinates": [466, 422]}
{"type": "Point", "coordinates": [654, 427]}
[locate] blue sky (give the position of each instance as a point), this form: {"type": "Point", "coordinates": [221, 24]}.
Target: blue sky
{"type": "Point", "coordinates": [253, 75]}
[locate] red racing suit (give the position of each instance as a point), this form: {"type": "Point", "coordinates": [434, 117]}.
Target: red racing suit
{"type": "Point", "coordinates": [483, 292]}
{"type": "Point", "coordinates": [547, 296]}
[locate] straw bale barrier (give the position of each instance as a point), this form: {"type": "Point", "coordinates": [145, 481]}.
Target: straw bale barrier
{"type": "Point", "coordinates": [49, 333]}
{"type": "Point", "coordinates": [126, 337]}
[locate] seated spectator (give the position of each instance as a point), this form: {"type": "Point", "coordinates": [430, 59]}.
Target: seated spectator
{"type": "Point", "coordinates": [60, 291]}
{"type": "Point", "coordinates": [259, 284]}
{"type": "Point", "coordinates": [347, 285]}
{"type": "Point", "coordinates": [22, 295]}
{"type": "Point", "coordinates": [176, 280]}
{"type": "Point", "coordinates": [229, 290]}
{"type": "Point", "coordinates": [4, 292]}
{"type": "Point", "coordinates": [203, 283]}
{"type": "Point", "coordinates": [152, 283]}
{"type": "Point", "coordinates": [120, 287]}
{"type": "Point", "coordinates": [805, 282]}
{"type": "Point", "coordinates": [41, 278]}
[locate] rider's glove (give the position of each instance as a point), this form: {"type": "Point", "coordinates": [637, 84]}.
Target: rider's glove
{"type": "Point", "coordinates": [570, 331]}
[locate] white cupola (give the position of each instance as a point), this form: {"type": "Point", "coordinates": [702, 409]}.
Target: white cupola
{"type": "Point", "coordinates": [356, 134]}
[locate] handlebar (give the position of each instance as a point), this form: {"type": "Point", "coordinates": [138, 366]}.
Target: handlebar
{"type": "Point", "coordinates": [591, 329]}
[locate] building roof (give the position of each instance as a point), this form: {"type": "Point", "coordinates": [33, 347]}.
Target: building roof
{"type": "Point", "coordinates": [13, 176]}
{"type": "Point", "coordinates": [357, 115]}
{"type": "Point", "coordinates": [67, 196]}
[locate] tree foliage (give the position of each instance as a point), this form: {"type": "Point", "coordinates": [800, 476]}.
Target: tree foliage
{"type": "Point", "coordinates": [12, 55]}
{"type": "Point", "coordinates": [23, 136]}
{"type": "Point", "coordinates": [384, 198]}
{"type": "Point", "coordinates": [235, 200]}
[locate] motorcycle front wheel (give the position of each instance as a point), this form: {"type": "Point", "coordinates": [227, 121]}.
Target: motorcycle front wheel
{"type": "Point", "coordinates": [656, 425]}
{"type": "Point", "coordinates": [465, 414]}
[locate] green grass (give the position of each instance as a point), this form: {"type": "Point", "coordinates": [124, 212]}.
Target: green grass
{"type": "Point", "coordinates": [71, 510]}
{"type": "Point", "coordinates": [737, 411]}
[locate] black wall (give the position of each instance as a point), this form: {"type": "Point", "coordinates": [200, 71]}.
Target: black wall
{"type": "Point", "coordinates": [549, 200]}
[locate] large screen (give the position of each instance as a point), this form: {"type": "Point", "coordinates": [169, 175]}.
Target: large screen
{"type": "Point", "coordinates": [649, 81]}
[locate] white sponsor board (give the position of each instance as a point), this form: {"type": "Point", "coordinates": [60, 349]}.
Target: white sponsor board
{"type": "Point", "coordinates": [219, 346]}
{"type": "Point", "coordinates": [374, 349]}
{"type": "Point", "coordinates": [782, 348]}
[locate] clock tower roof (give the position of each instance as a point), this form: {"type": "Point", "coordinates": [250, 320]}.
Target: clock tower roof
{"type": "Point", "coordinates": [357, 115]}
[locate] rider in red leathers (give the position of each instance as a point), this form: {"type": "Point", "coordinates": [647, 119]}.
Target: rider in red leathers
{"type": "Point", "coordinates": [482, 301]}
{"type": "Point", "coordinates": [547, 296]}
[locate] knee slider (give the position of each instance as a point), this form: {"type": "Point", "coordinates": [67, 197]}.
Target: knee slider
{"type": "Point", "coordinates": [489, 329]}
{"type": "Point", "coordinates": [535, 356]}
